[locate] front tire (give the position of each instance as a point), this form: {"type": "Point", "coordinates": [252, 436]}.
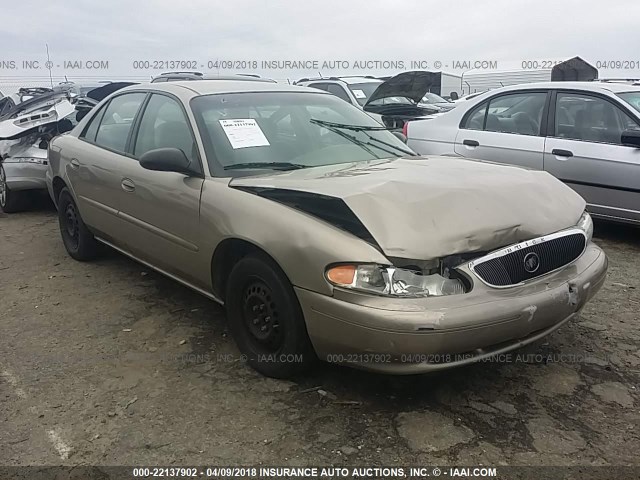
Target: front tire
{"type": "Point", "coordinates": [78, 240]}
{"type": "Point", "coordinates": [11, 201]}
{"type": "Point", "coordinates": [266, 320]}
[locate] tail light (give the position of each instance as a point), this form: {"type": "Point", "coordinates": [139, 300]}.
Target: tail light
{"type": "Point", "coordinates": [405, 129]}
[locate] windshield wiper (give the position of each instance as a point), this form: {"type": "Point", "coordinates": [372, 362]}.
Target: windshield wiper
{"type": "Point", "coordinates": [271, 165]}
{"type": "Point", "coordinates": [400, 149]}
{"type": "Point", "coordinates": [334, 127]}
{"type": "Point", "coordinates": [351, 138]}
{"type": "Point", "coordinates": [346, 126]}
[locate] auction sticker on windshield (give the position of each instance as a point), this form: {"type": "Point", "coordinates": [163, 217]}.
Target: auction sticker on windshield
{"type": "Point", "coordinates": [244, 132]}
{"type": "Point", "coordinates": [359, 94]}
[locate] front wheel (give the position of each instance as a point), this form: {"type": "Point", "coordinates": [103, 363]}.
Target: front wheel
{"type": "Point", "coordinates": [266, 320]}
{"type": "Point", "coordinates": [78, 240]}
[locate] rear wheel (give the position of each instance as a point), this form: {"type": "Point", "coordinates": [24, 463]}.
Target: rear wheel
{"type": "Point", "coordinates": [78, 240]}
{"type": "Point", "coordinates": [10, 200]}
{"type": "Point", "coordinates": [266, 319]}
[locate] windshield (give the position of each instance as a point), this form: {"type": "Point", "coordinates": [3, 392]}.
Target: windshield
{"type": "Point", "coordinates": [632, 98]}
{"type": "Point", "coordinates": [249, 132]}
{"type": "Point", "coordinates": [362, 91]}
{"type": "Point", "coordinates": [432, 98]}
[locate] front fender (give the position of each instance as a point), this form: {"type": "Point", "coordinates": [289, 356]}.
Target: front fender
{"type": "Point", "coordinates": [301, 244]}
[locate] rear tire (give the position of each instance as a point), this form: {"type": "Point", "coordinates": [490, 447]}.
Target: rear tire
{"type": "Point", "coordinates": [78, 240]}
{"type": "Point", "coordinates": [11, 201]}
{"type": "Point", "coordinates": [266, 320]}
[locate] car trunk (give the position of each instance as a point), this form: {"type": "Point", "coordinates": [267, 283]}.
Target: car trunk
{"type": "Point", "coordinates": [408, 86]}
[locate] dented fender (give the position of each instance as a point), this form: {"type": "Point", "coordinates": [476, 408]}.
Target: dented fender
{"type": "Point", "coordinates": [229, 213]}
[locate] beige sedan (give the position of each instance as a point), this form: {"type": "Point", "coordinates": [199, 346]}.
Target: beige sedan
{"type": "Point", "coordinates": [322, 233]}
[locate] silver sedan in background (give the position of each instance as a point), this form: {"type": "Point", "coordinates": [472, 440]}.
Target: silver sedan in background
{"type": "Point", "coordinates": [586, 134]}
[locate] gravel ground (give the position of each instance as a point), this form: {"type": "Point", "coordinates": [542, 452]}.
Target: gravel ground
{"type": "Point", "coordinates": [109, 363]}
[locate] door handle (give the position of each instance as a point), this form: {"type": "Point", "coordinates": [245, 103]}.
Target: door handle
{"type": "Point", "coordinates": [128, 185]}
{"type": "Point", "coordinates": [471, 143]}
{"type": "Point", "coordinates": [562, 153]}
{"type": "Point", "coordinates": [75, 164]}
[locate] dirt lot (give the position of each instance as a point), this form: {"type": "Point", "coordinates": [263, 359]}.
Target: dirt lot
{"type": "Point", "coordinates": [109, 363]}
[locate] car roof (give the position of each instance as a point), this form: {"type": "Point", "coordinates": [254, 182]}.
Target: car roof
{"type": "Point", "coordinates": [352, 80]}
{"type": "Point", "coordinates": [175, 76]}
{"type": "Point", "coordinates": [586, 86]}
{"type": "Point", "coordinates": [190, 88]}
{"type": "Point", "coordinates": [349, 80]}
{"type": "Point", "coordinates": [240, 78]}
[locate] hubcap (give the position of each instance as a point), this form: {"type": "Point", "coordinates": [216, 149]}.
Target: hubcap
{"type": "Point", "coordinates": [261, 316]}
{"type": "Point", "coordinates": [71, 223]}
{"type": "Point", "coordinates": [3, 187]}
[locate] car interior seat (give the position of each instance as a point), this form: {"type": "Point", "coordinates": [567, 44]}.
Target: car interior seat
{"type": "Point", "coordinates": [525, 124]}
{"type": "Point", "coordinates": [612, 132]}
{"type": "Point", "coordinates": [582, 125]}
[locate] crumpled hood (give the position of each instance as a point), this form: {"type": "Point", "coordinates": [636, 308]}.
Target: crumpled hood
{"type": "Point", "coordinates": [430, 207]}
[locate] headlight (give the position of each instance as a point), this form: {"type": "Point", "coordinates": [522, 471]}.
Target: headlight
{"type": "Point", "coordinates": [586, 225]}
{"type": "Point", "coordinates": [40, 161]}
{"type": "Point", "coordinates": [392, 281]}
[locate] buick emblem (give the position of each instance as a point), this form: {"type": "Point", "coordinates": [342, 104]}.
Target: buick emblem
{"type": "Point", "coordinates": [531, 262]}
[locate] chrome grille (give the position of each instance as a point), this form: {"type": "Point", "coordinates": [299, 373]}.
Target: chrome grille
{"type": "Point", "coordinates": [534, 258]}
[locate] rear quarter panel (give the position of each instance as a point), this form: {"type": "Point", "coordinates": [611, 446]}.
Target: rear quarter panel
{"type": "Point", "coordinates": [434, 136]}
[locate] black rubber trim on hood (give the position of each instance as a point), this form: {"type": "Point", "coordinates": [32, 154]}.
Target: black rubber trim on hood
{"type": "Point", "coordinates": [329, 209]}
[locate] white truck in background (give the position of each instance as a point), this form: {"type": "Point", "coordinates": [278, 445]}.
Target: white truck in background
{"type": "Point", "coordinates": [572, 70]}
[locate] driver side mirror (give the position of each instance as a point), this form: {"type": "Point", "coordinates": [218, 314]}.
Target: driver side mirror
{"type": "Point", "coordinates": [631, 138]}
{"type": "Point", "coordinates": [166, 160]}
{"type": "Point", "coordinates": [453, 96]}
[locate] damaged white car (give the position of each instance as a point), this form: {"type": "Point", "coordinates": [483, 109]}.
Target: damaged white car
{"type": "Point", "coordinates": [31, 118]}
{"type": "Point", "coordinates": [34, 117]}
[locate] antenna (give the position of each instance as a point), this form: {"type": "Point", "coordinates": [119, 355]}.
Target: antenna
{"type": "Point", "coordinates": [49, 64]}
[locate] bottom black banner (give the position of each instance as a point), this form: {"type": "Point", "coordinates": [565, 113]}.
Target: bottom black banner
{"type": "Point", "coordinates": [320, 472]}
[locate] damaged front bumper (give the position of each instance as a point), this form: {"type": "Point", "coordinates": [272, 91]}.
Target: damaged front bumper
{"type": "Point", "coordinates": [405, 336]}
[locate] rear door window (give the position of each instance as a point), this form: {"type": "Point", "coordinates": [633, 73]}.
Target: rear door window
{"type": "Point", "coordinates": [475, 120]}
{"type": "Point", "coordinates": [519, 113]}
{"type": "Point", "coordinates": [117, 121]}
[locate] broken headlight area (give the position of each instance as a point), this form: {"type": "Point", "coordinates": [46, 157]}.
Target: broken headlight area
{"type": "Point", "coordinates": [586, 225]}
{"type": "Point", "coordinates": [393, 281]}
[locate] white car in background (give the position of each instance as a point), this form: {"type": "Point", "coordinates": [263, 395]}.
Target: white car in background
{"type": "Point", "coordinates": [392, 102]}
{"type": "Point", "coordinates": [355, 90]}
{"type": "Point", "coordinates": [587, 134]}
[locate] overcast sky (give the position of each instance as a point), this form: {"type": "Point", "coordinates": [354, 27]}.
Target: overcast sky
{"type": "Point", "coordinates": [509, 31]}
